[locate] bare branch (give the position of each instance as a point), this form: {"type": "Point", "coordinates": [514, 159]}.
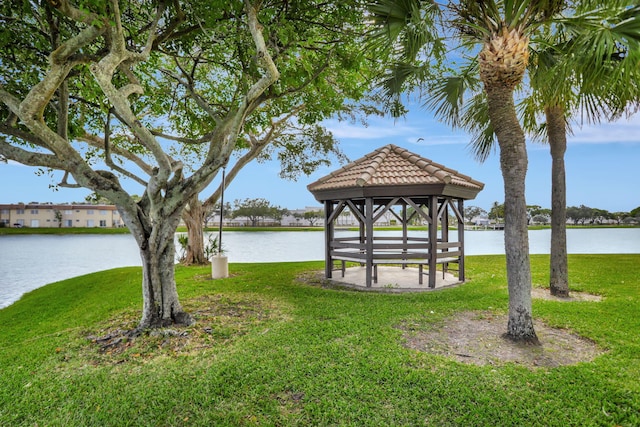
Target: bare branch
{"type": "Point", "coordinates": [202, 140]}
{"type": "Point", "coordinates": [103, 72]}
{"type": "Point", "coordinates": [30, 158]}
{"type": "Point", "coordinates": [107, 153]}
{"type": "Point", "coordinates": [264, 58]}
{"type": "Point", "coordinates": [188, 85]}
{"type": "Point", "coordinates": [98, 142]}
{"type": "Point", "coordinates": [64, 183]}
{"type": "Point", "coordinates": [257, 147]}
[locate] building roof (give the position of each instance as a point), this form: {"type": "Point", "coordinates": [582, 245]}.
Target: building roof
{"type": "Point", "coordinates": [392, 171]}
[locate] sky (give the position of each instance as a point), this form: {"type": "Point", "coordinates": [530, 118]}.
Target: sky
{"type": "Point", "coordinates": [602, 166]}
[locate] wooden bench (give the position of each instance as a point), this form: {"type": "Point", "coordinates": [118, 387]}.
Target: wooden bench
{"type": "Point", "coordinates": [404, 259]}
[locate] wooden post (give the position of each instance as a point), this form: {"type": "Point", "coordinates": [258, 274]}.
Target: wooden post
{"type": "Point", "coordinates": [433, 240]}
{"type": "Point", "coordinates": [368, 212]}
{"type": "Point", "coordinates": [405, 238]}
{"type": "Point", "coordinates": [444, 220]}
{"type": "Point", "coordinates": [328, 238]}
{"type": "Point", "coordinates": [461, 240]}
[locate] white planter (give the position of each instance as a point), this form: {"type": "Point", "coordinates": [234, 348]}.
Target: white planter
{"type": "Point", "coordinates": [219, 267]}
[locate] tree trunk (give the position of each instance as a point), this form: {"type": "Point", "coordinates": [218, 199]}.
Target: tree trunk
{"type": "Point", "coordinates": [193, 217]}
{"type": "Point", "coordinates": [161, 306]}
{"type": "Point", "coordinates": [557, 134]}
{"type": "Point", "coordinates": [513, 163]}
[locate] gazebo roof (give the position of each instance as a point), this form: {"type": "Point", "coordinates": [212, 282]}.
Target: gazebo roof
{"type": "Point", "coordinates": [392, 171]}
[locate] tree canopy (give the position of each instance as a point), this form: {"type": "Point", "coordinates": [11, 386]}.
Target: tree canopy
{"type": "Point", "coordinates": [256, 210]}
{"type": "Point", "coordinates": [161, 95]}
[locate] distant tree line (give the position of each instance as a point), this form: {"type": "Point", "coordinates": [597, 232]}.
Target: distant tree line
{"type": "Point", "coordinates": [258, 210]}
{"type": "Point", "coordinates": [582, 215]}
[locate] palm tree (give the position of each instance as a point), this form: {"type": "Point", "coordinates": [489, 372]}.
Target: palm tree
{"type": "Point", "coordinates": [563, 80]}
{"type": "Point", "coordinates": [609, 38]}
{"type": "Point", "coordinates": [502, 29]}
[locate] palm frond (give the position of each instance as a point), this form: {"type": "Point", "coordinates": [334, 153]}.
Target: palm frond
{"type": "Point", "coordinates": [403, 76]}
{"type": "Point", "coordinates": [447, 94]}
{"type": "Point", "coordinates": [475, 120]}
{"type": "Point", "coordinates": [405, 27]}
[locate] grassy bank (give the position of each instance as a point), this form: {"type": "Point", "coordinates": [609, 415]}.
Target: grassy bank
{"type": "Point", "coordinates": [269, 349]}
{"type": "Point", "coordinates": [97, 230]}
{"type": "Point", "coordinates": [63, 230]}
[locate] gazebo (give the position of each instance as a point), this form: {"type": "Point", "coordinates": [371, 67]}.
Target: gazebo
{"type": "Point", "coordinates": [395, 182]}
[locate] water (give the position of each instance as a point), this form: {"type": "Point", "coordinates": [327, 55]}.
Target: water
{"type": "Point", "coordinates": [28, 262]}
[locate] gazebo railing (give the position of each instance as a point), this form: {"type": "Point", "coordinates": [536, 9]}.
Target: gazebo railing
{"type": "Point", "coordinates": [392, 250]}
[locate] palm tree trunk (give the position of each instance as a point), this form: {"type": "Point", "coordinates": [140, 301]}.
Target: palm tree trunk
{"type": "Point", "coordinates": [513, 163]}
{"type": "Point", "coordinates": [557, 134]}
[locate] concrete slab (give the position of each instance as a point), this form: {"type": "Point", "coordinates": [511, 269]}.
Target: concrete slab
{"type": "Point", "coordinates": [393, 279]}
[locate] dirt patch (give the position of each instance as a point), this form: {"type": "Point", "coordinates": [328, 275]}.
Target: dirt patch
{"type": "Point", "coordinates": [541, 293]}
{"type": "Point", "coordinates": [477, 338]}
{"type": "Point", "coordinates": [219, 322]}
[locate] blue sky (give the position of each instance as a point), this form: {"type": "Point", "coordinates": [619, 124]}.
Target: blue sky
{"type": "Point", "coordinates": [602, 163]}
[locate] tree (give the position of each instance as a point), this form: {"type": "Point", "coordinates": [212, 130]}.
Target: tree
{"type": "Point", "coordinates": [57, 214]}
{"type": "Point", "coordinates": [471, 212]}
{"type": "Point", "coordinates": [313, 217]}
{"type": "Point", "coordinates": [585, 214]}
{"type": "Point", "coordinates": [502, 30]}
{"type": "Point", "coordinates": [590, 65]}
{"type": "Point", "coordinates": [533, 210]}
{"type": "Point", "coordinates": [300, 149]}
{"type": "Point", "coordinates": [586, 61]}
{"type": "Point", "coordinates": [103, 95]}
{"type": "Point", "coordinates": [332, 80]}
{"type": "Point", "coordinates": [540, 218]}
{"type": "Point", "coordinates": [497, 212]}
{"type": "Point", "coordinates": [256, 210]}
{"type": "Point", "coordinates": [96, 199]}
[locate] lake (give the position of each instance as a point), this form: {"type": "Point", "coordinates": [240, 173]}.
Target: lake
{"type": "Point", "coordinates": [28, 262]}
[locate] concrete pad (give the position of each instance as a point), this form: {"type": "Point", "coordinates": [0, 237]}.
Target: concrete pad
{"type": "Point", "coordinates": [393, 279]}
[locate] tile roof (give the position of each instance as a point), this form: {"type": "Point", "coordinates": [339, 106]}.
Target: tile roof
{"type": "Point", "coordinates": [393, 166]}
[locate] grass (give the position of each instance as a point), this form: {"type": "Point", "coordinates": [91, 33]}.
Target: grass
{"type": "Point", "coordinates": [63, 230]}
{"type": "Point", "coordinates": [124, 230]}
{"type": "Point", "coordinates": [271, 350]}
{"type": "Point", "coordinates": [182, 229]}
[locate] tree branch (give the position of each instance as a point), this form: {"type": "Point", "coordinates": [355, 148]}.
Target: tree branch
{"type": "Point", "coordinates": [30, 158]}
{"type": "Point", "coordinates": [103, 72]}
{"type": "Point", "coordinates": [98, 142]}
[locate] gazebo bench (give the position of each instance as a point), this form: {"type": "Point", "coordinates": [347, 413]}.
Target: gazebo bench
{"type": "Point", "coordinates": [398, 261]}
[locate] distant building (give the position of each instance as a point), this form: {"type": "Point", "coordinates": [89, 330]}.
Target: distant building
{"type": "Point", "coordinates": [36, 215]}
{"type": "Point", "coordinates": [480, 221]}
{"type": "Point", "coordinates": [296, 217]}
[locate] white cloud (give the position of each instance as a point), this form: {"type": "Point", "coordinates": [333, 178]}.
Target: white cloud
{"type": "Point", "coordinates": [429, 132]}
{"type": "Point", "coordinates": [623, 130]}
{"type": "Point", "coordinates": [342, 130]}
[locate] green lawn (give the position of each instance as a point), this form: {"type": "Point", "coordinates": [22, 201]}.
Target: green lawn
{"type": "Point", "coordinates": [63, 230]}
{"type": "Point", "coordinates": [271, 350]}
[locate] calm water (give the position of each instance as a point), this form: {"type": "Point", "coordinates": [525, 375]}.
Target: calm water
{"type": "Point", "coordinates": [28, 262]}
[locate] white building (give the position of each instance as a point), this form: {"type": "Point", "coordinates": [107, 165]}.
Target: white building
{"type": "Point", "coordinates": [36, 215]}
